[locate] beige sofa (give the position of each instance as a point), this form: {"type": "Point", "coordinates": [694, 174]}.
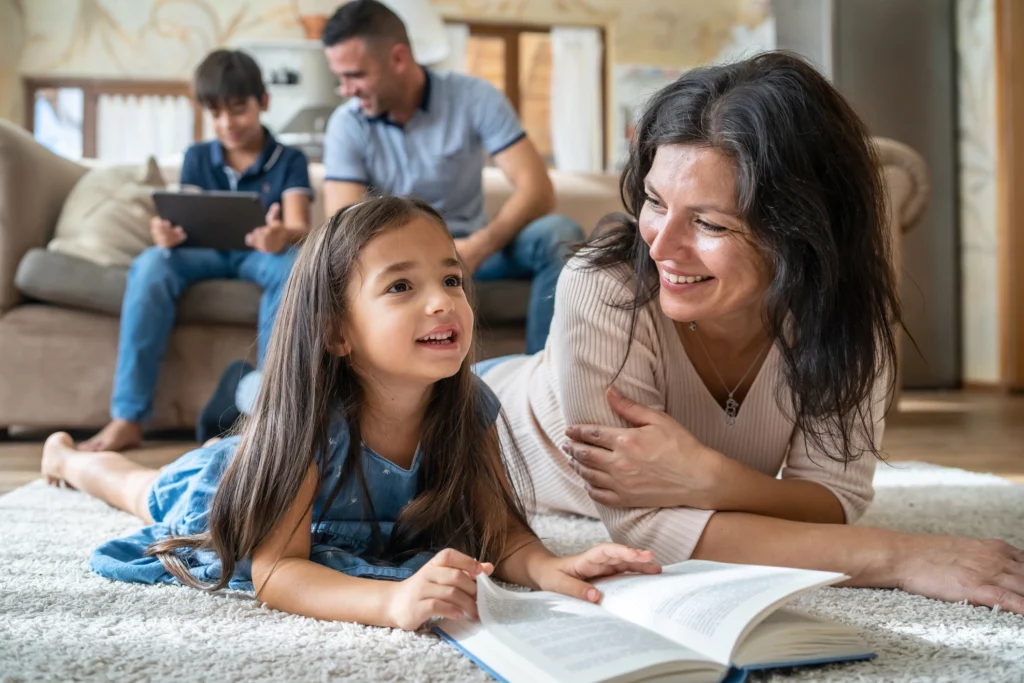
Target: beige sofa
{"type": "Point", "coordinates": [57, 361]}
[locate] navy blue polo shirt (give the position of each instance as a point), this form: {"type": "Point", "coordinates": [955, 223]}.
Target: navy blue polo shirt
{"type": "Point", "coordinates": [437, 156]}
{"type": "Point", "coordinates": [277, 171]}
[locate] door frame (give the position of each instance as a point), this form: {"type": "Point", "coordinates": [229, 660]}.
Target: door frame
{"type": "Point", "coordinates": [1009, 74]}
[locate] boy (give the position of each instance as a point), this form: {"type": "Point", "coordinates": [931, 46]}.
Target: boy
{"type": "Point", "coordinates": [244, 157]}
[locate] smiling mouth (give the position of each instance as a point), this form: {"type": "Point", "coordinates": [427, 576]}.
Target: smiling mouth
{"type": "Point", "coordinates": [439, 339]}
{"type": "Point", "coordinates": [685, 279]}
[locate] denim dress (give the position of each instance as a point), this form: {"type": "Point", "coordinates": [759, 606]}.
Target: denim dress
{"type": "Point", "coordinates": [341, 538]}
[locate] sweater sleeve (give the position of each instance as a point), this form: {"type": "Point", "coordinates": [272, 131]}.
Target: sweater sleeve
{"type": "Point", "coordinates": [590, 335]}
{"type": "Point", "coordinates": [852, 483]}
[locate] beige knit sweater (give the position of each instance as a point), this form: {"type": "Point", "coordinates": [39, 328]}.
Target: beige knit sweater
{"type": "Point", "coordinates": [565, 384]}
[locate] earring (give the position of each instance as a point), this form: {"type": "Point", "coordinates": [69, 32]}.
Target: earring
{"type": "Point", "coordinates": [693, 326]}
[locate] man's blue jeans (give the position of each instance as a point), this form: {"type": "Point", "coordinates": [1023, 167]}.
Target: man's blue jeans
{"type": "Point", "coordinates": [156, 280]}
{"type": "Point", "coordinates": [537, 253]}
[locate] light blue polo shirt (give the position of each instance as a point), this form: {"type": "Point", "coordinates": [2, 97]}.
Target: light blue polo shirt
{"type": "Point", "coordinates": [437, 156]}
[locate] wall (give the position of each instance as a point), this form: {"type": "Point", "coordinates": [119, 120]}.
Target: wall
{"type": "Point", "coordinates": [166, 38]}
{"type": "Point", "coordinates": [978, 208]}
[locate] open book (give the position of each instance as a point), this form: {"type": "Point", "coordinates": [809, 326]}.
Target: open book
{"type": "Point", "coordinates": [696, 621]}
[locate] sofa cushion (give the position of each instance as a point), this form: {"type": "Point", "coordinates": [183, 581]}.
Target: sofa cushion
{"type": "Point", "coordinates": [76, 283]}
{"type": "Point", "coordinates": [64, 280]}
{"type": "Point", "coordinates": [106, 216]}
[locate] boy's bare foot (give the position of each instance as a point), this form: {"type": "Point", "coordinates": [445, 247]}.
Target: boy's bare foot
{"type": "Point", "coordinates": [119, 435]}
{"type": "Point", "coordinates": [56, 450]}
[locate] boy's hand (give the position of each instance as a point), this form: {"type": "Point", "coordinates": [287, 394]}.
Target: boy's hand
{"type": "Point", "coordinates": [164, 234]}
{"type": "Point", "coordinates": [273, 237]}
{"type": "Point", "coordinates": [444, 587]}
{"type": "Point", "coordinates": [568, 575]}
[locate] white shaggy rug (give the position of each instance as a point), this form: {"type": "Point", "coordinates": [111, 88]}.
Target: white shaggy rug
{"type": "Point", "coordinates": [60, 622]}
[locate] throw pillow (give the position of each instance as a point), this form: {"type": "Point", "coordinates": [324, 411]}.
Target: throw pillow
{"type": "Point", "coordinates": [105, 218]}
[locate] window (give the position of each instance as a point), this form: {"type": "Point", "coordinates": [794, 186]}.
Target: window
{"type": "Point", "coordinates": [117, 120]}
{"type": "Point", "coordinates": [517, 61]}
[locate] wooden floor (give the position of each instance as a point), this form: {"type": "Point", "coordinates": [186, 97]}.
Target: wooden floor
{"type": "Point", "coordinates": [979, 432]}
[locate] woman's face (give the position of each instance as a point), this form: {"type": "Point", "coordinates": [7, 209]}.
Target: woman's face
{"type": "Point", "coordinates": [708, 265]}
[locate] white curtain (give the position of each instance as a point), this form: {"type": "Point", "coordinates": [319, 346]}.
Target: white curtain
{"type": "Point", "coordinates": [576, 82]}
{"type": "Point", "coordinates": [129, 129]}
{"type": "Point", "coordinates": [458, 36]}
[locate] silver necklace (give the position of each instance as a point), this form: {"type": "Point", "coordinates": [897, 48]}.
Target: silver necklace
{"type": "Point", "coordinates": [732, 406]}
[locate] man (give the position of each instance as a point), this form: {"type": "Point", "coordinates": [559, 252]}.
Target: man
{"type": "Point", "coordinates": [409, 131]}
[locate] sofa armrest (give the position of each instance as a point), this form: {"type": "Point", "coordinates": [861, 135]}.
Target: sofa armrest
{"type": "Point", "coordinates": [905, 174]}
{"type": "Point", "coordinates": [33, 185]}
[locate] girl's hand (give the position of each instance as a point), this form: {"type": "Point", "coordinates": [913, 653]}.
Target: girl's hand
{"type": "Point", "coordinates": [982, 572]}
{"type": "Point", "coordinates": [657, 463]}
{"type": "Point", "coordinates": [444, 587]}
{"type": "Point", "coordinates": [569, 575]}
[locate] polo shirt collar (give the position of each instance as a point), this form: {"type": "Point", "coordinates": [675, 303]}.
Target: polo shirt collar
{"type": "Point", "coordinates": [424, 103]}
{"type": "Point", "coordinates": [264, 162]}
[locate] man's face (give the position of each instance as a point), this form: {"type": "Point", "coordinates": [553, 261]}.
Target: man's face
{"type": "Point", "coordinates": [366, 71]}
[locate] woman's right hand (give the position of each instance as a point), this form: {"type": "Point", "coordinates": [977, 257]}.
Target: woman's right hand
{"type": "Point", "coordinates": [982, 572]}
{"type": "Point", "coordinates": [444, 587]}
{"type": "Point", "coordinates": [164, 234]}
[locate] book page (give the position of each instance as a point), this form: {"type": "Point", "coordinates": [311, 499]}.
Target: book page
{"type": "Point", "coordinates": [572, 640]}
{"type": "Point", "coordinates": [707, 606]}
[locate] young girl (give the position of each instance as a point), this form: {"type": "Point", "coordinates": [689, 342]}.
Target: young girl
{"type": "Point", "coordinates": [371, 448]}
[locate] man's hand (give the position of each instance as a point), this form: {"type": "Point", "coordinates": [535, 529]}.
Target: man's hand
{"type": "Point", "coordinates": [164, 234]}
{"type": "Point", "coordinates": [272, 238]}
{"type": "Point", "coordinates": [472, 253]}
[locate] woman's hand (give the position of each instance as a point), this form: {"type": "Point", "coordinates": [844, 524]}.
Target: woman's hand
{"type": "Point", "coordinates": [569, 575]}
{"type": "Point", "coordinates": [982, 572]}
{"type": "Point", "coordinates": [444, 587]}
{"type": "Point", "coordinates": [657, 463]}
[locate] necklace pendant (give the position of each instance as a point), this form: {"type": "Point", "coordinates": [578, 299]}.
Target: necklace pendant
{"type": "Point", "coordinates": [732, 408]}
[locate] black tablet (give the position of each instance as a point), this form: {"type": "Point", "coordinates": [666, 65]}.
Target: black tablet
{"type": "Point", "coordinates": [215, 220]}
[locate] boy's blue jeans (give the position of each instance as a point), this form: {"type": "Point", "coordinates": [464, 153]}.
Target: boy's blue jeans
{"type": "Point", "coordinates": [156, 280]}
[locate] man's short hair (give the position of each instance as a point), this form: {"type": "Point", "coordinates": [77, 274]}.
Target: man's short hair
{"type": "Point", "coordinates": [366, 19]}
{"type": "Point", "coordinates": [227, 76]}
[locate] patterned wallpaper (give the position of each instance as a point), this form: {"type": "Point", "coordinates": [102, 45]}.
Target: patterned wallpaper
{"type": "Point", "coordinates": [166, 38]}
{"type": "Point", "coordinates": [979, 261]}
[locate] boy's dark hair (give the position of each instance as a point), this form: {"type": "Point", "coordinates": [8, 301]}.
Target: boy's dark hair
{"type": "Point", "coordinates": [367, 19]}
{"type": "Point", "coordinates": [227, 76]}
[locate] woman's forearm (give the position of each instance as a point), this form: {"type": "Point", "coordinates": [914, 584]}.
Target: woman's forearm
{"type": "Point", "coordinates": [744, 489]}
{"type": "Point", "coordinates": [302, 587]}
{"type": "Point", "coordinates": [867, 554]}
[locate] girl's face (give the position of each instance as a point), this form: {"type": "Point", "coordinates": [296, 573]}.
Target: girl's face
{"type": "Point", "coordinates": [410, 320]}
{"type": "Point", "coordinates": [708, 265]}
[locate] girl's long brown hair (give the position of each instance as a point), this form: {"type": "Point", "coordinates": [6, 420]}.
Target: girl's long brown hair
{"type": "Point", "coordinates": [466, 503]}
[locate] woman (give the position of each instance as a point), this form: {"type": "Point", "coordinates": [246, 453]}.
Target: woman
{"type": "Point", "coordinates": [746, 311]}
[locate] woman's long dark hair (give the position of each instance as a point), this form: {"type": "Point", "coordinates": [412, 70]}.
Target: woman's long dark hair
{"type": "Point", "coordinates": [466, 500]}
{"type": "Point", "coordinates": [809, 187]}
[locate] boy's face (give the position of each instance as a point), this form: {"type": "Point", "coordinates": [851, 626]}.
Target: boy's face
{"type": "Point", "coordinates": [236, 123]}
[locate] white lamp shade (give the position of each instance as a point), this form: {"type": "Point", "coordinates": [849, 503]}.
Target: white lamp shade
{"type": "Point", "coordinates": [426, 30]}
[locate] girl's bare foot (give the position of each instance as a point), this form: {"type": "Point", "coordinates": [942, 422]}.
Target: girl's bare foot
{"type": "Point", "coordinates": [58, 447]}
{"type": "Point", "coordinates": [119, 435]}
